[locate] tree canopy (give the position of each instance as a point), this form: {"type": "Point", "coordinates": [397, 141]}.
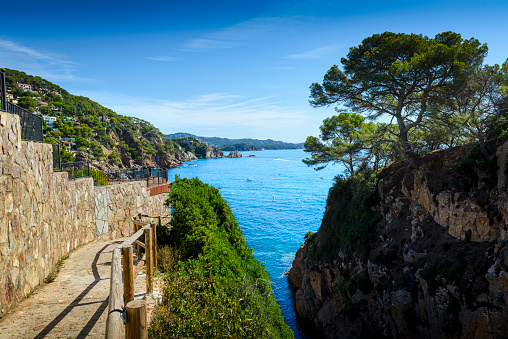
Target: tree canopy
{"type": "Point", "coordinates": [400, 76]}
{"type": "Point", "coordinates": [343, 138]}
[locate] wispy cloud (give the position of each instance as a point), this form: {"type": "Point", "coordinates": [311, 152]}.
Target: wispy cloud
{"type": "Point", "coordinates": [260, 117]}
{"type": "Point", "coordinates": [50, 65]}
{"type": "Point", "coordinates": [317, 53]}
{"type": "Point", "coordinates": [166, 58]}
{"type": "Point", "coordinates": [239, 34]}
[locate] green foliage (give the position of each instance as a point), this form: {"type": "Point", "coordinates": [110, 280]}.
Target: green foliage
{"type": "Point", "coordinates": [398, 74]}
{"type": "Point", "coordinates": [349, 222]}
{"type": "Point", "coordinates": [309, 235]}
{"type": "Point", "coordinates": [80, 118]}
{"type": "Point", "coordinates": [460, 265]}
{"type": "Point", "coordinates": [343, 137]}
{"type": "Point", "coordinates": [27, 103]}
{"type": "Point", "coordinates": [66, 156]}
{"type": "Point", "coordinates": [114, 158]}
{"type": "Point", "coordinates": [240, 147]}
{"type": "Point", "coordinates": [216, 289]}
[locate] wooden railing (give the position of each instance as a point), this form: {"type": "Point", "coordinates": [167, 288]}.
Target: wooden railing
{"type": "Point", "coordinates": [131, 321]}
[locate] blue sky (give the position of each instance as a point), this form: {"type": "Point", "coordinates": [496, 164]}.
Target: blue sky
{"type": "Point", "coordinates": [232, 69]}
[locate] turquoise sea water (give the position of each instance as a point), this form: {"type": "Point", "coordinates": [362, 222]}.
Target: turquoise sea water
{"type": "Point", "coordinates": [276, 199]}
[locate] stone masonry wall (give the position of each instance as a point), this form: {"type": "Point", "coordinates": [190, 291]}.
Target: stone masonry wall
{"type": "Point", "coordinates": [43, 215]}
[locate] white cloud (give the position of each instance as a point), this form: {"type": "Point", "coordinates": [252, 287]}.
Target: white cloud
{"type": "Point", "coordinates": [52, 66]}
{"type": "Point", "coordinates": [317, 53]}
{"type": "Point", "coordinates": [224, 114]}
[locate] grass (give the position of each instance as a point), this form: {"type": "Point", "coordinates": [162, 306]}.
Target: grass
{"type": "Point", "coordinates": [58, 266]}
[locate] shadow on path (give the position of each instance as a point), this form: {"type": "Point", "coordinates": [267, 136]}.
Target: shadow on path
{"type": "Point", "coordinates": [76, 302]}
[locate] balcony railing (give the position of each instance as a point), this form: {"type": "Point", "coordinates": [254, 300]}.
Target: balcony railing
{"type": "Point", "coordinates": [152, 176]}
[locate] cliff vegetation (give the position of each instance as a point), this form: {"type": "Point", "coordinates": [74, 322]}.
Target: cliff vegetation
{"type": "Point", "coordinates": [98, 133]}
{"type": "Point", "coordinates": [414, 239]}
{"type": "Point", "coordinates": [213, 286]}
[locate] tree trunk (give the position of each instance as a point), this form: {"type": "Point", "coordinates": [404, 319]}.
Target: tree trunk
{"type": "Point", "coordinates": [409, 154]}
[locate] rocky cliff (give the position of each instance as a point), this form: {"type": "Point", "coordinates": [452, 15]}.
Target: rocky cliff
{"type": "Point", "coordinates": [423, 255]}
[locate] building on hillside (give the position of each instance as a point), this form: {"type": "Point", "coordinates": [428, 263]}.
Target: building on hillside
{"type": "Point", "coordinates": [24, 87]}
{"type": "Point", "coordinates": [49, 121]}
{"type": "Point", "coordinates": [69, 142]}
{"type": "Point", "coordinates": [55, 108]}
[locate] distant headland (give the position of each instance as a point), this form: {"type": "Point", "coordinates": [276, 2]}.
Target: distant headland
{"type": "Point", "coordinates": [225, 144]}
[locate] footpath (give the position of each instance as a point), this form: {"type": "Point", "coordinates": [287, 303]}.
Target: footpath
{"type": "Point", "coordinates": [75, 304]}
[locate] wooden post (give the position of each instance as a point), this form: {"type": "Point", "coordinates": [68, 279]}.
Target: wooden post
{"type": "Point", "coordinates": [128, 277]}
{"type": "Point", "coordinates": [154, 243]}
{"type": "Point", "coordinates": [149, 259]}
{"type": "Point", "coordinates": [114, 323]}
{"type": "Point", "coordinates": [136, 327]}
{"type": "Point", "coordinates": [135, 230]}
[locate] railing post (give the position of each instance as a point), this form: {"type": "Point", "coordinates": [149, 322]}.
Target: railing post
{"type": "Point", "coordinates": [4, 95]}
{"type": "Point", "coordinates": [149, 259]}
{"type": "Point", "coordinates": [128, 276]}
{"type": "Point", "coordinates": [136, 327]}
{"type": "Point", "coordinates": [154, 245]}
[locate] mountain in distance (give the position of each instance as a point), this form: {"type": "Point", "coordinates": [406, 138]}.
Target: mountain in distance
{"type": "Point", "coordinates": [247, 144]}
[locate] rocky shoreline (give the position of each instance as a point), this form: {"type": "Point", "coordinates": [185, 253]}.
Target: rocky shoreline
{"type": "Point", "coordinates": [438, 268]}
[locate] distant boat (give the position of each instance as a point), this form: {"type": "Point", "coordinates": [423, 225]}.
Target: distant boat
{"type": "Point", "coordinates": [249, 179]}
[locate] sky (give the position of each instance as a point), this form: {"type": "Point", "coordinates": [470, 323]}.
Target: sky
{"type": "Point", "coordinates": [233, 69]}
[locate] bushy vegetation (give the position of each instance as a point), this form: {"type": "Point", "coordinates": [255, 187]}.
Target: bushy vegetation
{"type": "Point", "coordinates": [213, 286]}
{"type": "Point", "coordinates": [348, 223]}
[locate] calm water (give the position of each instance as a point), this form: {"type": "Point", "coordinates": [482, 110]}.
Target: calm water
{"type": "Point", "coordinates": [276, 199]}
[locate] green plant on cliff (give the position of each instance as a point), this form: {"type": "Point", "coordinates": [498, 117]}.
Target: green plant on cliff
{"type": "Point", "coordinates": [349, 223]}
{"type": "Point", "coordinates": [213, 286]}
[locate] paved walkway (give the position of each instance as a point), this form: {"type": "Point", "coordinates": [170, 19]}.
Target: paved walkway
{"type": "Point", "coordinates": [75, 304]}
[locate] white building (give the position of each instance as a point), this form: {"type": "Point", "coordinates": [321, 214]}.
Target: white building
{"type": "Point", "coordinates": [49, 120]}
{"type": "Point", "coordinates": [25, 87]}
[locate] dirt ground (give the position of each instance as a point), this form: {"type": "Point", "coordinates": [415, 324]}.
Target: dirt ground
{"type": "Point", "coordinates": [75, 304]}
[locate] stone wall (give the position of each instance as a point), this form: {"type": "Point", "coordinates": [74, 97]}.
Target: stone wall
{"type": "Point", "coordinates": [43, 215]}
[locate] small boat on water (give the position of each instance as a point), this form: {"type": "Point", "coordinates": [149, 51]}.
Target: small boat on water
{"type": "Point", "coordinates": [249, 179]}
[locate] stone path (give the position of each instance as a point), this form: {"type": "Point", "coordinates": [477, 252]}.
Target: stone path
{"type": "Point", "coordinates": [75, 304]}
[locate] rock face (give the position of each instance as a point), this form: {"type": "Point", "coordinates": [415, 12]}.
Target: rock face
{"type": "Point", "coordinates": [235, 154]}
{"type": "Point", "coordinates": [439, 268]}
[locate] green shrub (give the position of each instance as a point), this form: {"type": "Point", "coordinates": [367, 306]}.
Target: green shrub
{"type": "Point", "coordinates": [349, 222]}
{"type": "Point", "coordinates": [213, 286]}
{"type": "Point", "coordinates": [309, 235]}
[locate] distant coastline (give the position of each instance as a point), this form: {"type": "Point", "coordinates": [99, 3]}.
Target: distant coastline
{"type": "Point", "coordinates": [225, 144]}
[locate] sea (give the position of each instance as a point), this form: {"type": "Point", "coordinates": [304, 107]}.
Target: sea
{"type": "Point", "coordinates": [276, 200]}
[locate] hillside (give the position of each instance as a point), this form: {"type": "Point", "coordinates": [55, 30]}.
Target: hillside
{"type": "Point", "coordinates": [88, 129]}
{"type": "Point", "coordinates": [226, 144]}
{"type": "Point", "coordinates": [411, 253]}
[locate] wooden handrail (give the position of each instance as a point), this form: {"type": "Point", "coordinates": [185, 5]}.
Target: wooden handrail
{"type": "Point", "coordinates": [122, 278]}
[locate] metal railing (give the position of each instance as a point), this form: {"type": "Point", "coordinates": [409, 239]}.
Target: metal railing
{"type": "Point", "coordinates": [153, 177]}
{"type": "Point", "coordinates": [31, 124]}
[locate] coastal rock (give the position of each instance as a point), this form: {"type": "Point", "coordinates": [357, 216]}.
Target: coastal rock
{"type": "Point", "coordinates": [438, 269]}
{"type": "Point", "coordinates": [235, 154]}
{"type": "Point", "coordinates": [214, 153]}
